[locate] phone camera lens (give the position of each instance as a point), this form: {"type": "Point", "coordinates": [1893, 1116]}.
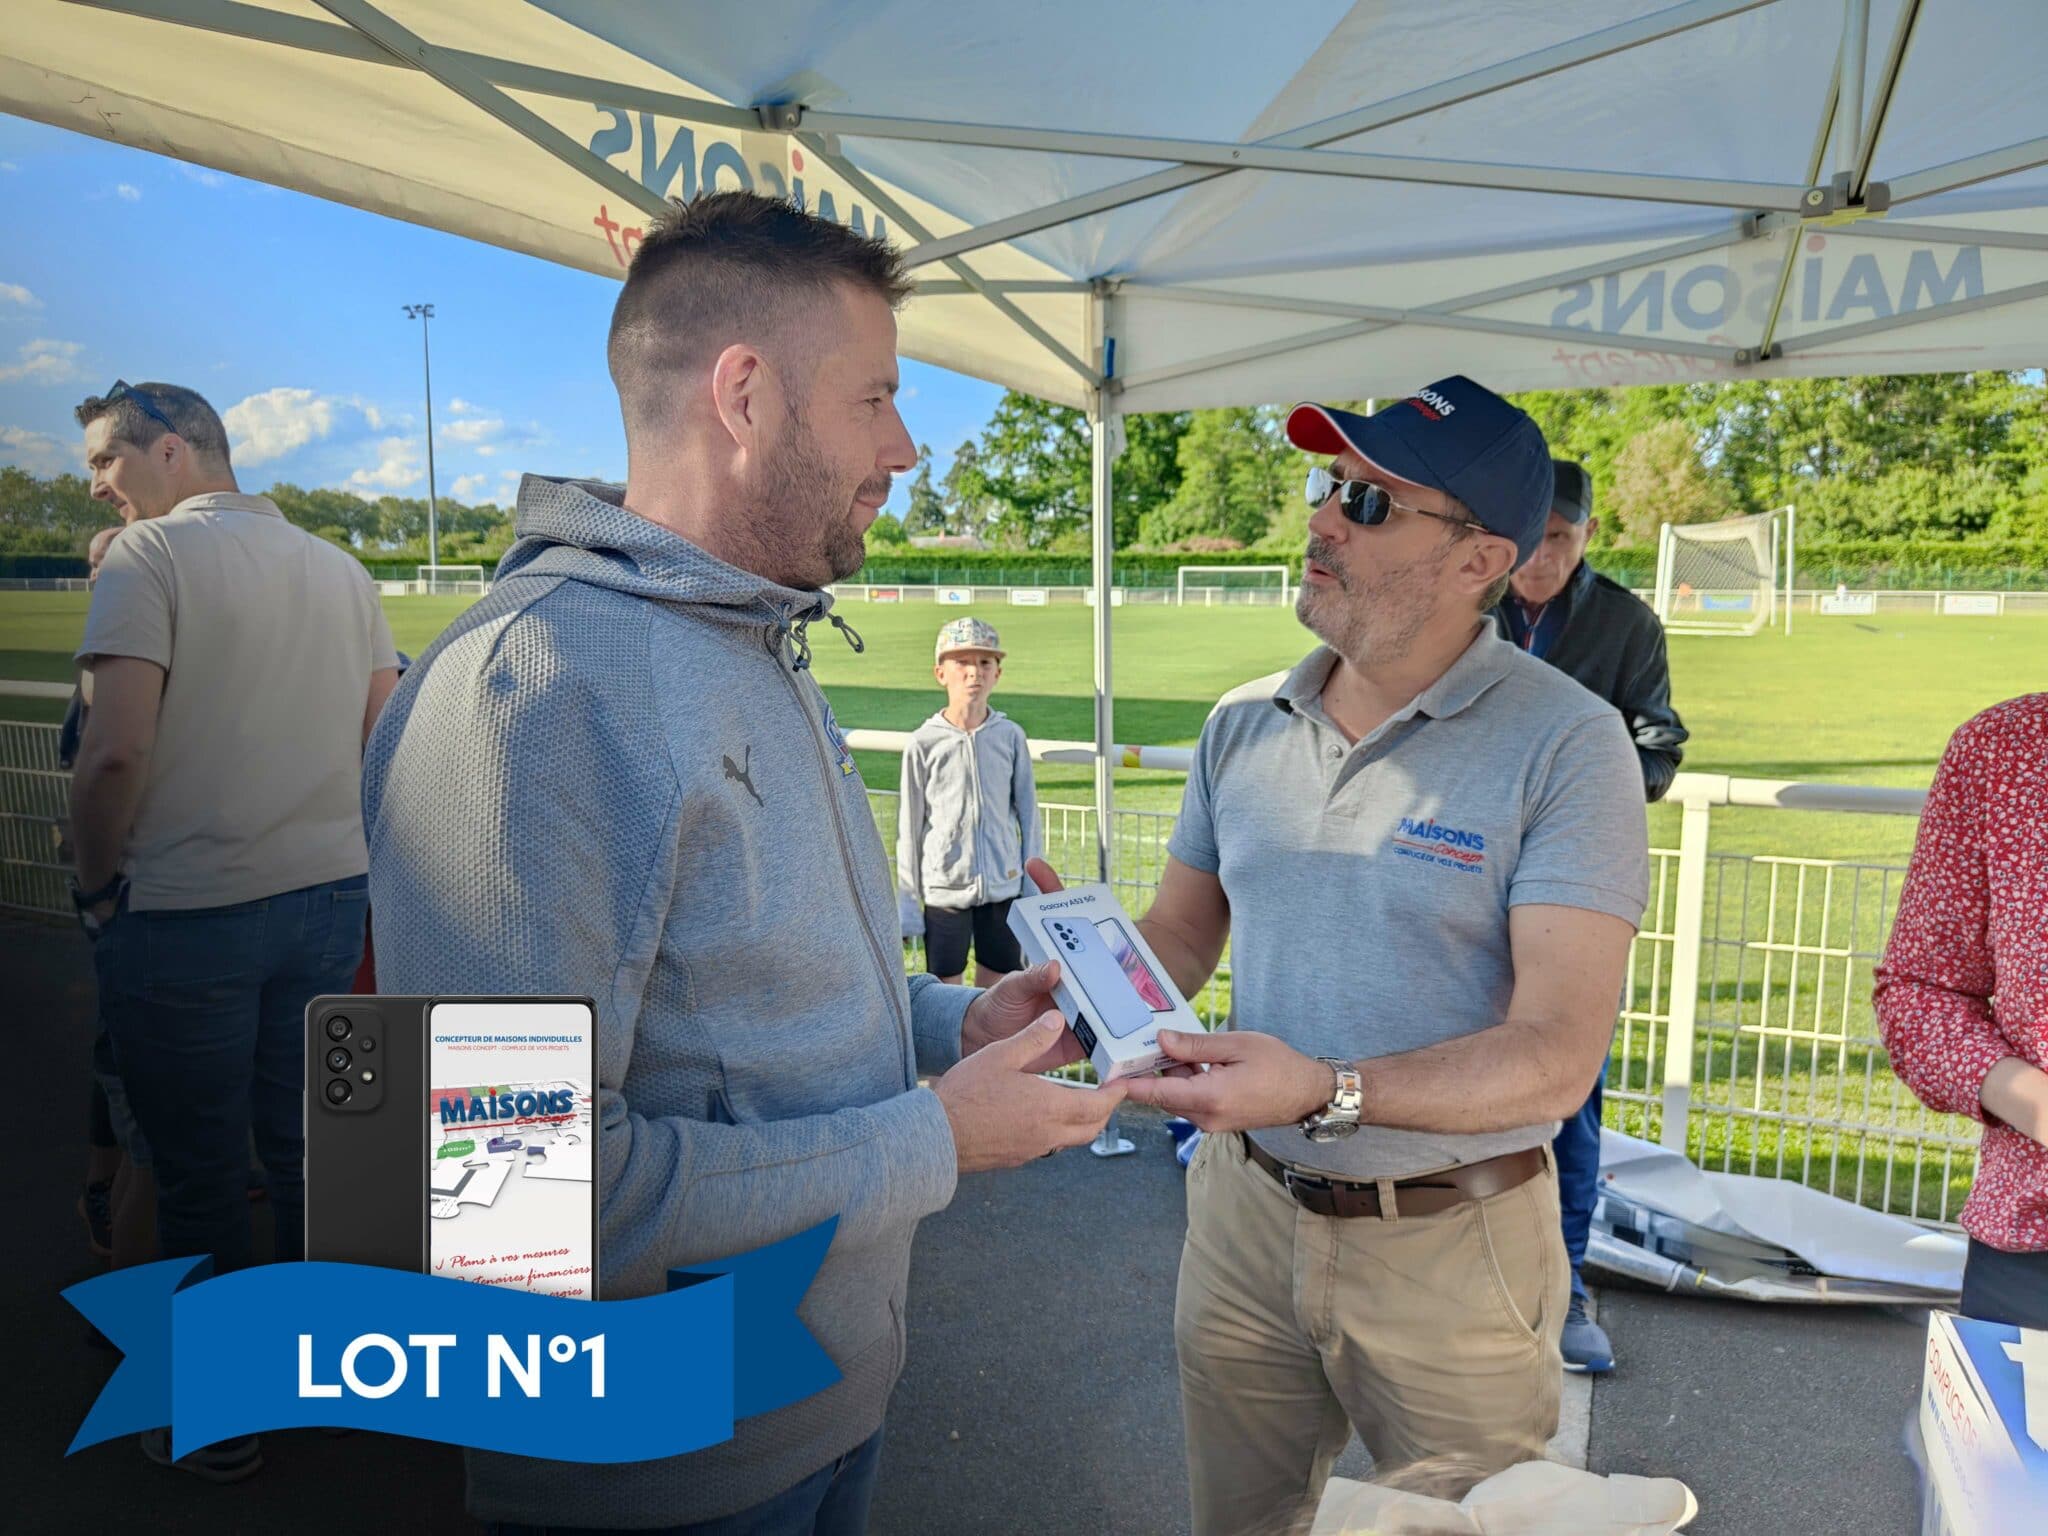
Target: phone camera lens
{"type": "Point", "coordinates": [338, 1091]}
{"type": "Point", "coordinates": [339, 1060]}
{"type": "Point", "coordinates": [338, 1027]}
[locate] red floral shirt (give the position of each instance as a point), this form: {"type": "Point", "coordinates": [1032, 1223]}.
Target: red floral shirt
{"type": "Point", "coordinates": [1964, 983]}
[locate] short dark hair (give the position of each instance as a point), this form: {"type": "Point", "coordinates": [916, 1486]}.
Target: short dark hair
{"type": "Point", "coordinates": [724, 267]}
{"type": "Point", "coordinates": [185, 409]}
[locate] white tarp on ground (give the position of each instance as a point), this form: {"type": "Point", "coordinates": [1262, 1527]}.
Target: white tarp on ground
{"type": "Point", "coordinates": [1539, 194]}
{"type": "Point", "coordinates": [1665, 1221]}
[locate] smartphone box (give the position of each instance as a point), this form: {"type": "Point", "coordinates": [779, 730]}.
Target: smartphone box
{"type": "Point", "coordinates": [1114, 992]}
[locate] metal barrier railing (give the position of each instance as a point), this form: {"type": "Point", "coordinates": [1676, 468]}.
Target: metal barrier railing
{"type": "Point", "coordinates": [1745, 1038]}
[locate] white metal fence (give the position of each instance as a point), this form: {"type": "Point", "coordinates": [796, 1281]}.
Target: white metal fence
{"type": "Point", "coordinates": [1746, 1035]}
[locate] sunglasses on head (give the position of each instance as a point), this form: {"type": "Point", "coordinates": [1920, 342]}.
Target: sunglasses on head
{"type": "Point", "coordinates": [123, 390]}
{"type": "Point", "coordinates": [1361, 501]}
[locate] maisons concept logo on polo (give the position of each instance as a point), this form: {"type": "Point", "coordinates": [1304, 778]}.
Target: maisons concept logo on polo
{"type": "Point", "coordinates": [1434, 843]}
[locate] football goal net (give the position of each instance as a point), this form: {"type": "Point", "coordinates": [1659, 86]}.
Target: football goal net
{"type": "Point", "coordinates": [1733, 577]}
{"type": "Point", "coordinates": [1208, 586]}
{"type": "Point", "coordinates": [450, 581]}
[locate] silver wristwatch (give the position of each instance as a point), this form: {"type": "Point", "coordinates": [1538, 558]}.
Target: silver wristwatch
{"type": "Point", "coordinates": [1338, 1118]}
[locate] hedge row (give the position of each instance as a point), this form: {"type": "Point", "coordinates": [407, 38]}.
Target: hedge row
{"type": "Point", "coordinates": [1999, 564]}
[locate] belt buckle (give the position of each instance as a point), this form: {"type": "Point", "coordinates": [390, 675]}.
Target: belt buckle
{"type": "Point", "coordinates": [1295, 1182]}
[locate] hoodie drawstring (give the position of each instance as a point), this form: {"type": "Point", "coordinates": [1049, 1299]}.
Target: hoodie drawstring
{"type": "Point", "coordinates": [852, 635]}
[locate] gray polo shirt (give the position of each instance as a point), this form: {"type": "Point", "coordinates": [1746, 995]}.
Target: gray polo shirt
{"type": "Point", "coordinates": [1370, 884]}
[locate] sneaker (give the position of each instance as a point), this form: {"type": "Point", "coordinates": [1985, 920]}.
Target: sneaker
{"type": "Point", "coordinates": [1585, 1345]}
{"type": "Point", "coordinates": [228, 1462]}
{"type": "Point", "coordinates": [96, 1210]}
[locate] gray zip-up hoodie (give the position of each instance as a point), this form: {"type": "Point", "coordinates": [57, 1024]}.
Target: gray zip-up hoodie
{"type": "Point", "coordinates": [615, 777]}
{"type": "Point", "coordinates": [967, 818]}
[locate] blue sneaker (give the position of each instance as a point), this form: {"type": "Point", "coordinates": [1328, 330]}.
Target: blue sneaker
{"type": "Point", "coordinates": [1586, 1349]}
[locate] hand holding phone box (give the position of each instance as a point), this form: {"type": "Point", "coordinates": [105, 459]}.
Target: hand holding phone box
{"type": "Point", "coordinates": [1114, 992]}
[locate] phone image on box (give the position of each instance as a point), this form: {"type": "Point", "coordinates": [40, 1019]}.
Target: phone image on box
{"type": "Point", "coordinates": [1082, 949]}
{"type": "Point", "coordinates": [510, 1147]}
{"type": "Point", "coordinates": [1143, 982]}
{"type": "Point", "coordinates": [366, 1074]}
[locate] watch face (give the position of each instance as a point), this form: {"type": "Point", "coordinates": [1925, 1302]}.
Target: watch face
{"type": "Point", "coordinates": [1332, 1130]}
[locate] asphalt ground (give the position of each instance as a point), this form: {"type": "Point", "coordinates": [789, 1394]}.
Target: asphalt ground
{"type": "Point", "coordinates": [1040, 1396]}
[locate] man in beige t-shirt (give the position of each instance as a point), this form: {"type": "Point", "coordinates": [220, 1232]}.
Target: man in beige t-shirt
{"type": "Point", "coordinates": [236, 663]}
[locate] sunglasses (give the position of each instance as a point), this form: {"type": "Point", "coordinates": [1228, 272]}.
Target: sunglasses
{"type": "Point", "coordinates": [1363, 502]}
{"type": "Point", "coordinates": [123, 390]}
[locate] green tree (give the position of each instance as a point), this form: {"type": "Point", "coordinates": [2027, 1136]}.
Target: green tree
{"type": "Point", "coordinates": [1658, 478]}
{"type": "Point", "coordinates": [927, 511]}
{"type": "Point", "coordinates": [1035, 462]}
{"type": "Point", "coordinates": [1236, 468]}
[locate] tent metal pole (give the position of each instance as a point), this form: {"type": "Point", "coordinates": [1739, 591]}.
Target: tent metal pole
{"type": "Point", "coordinates": [1864, 328]}
{"type": "Point", "coordinates": [1849, 71]}
{"type": "Point", "coordinates": [1466, 87]}
{"type": "Point", "coordinates": [414, 50]}
{"type": "Point", "coordinates": [1881, 105]}
{"type": "Point", "coordinates": [1221, 154]}
{"type": "Point", "coordinates": [1103, 436]}
{"type": "Point", "coordinates": [1430, 320]}
{"type": "Point", "coordinates": [866, 185]}
{"type": "Point", "coordinates": [1946, 234]}
{"type": "Point", "coordinates": [1962, 173]}
{"type": "Point", "coordinates": [1816, 159]}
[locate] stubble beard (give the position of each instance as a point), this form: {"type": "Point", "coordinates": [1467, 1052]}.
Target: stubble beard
{"type": "Point", "coordinates": [1370, 620]}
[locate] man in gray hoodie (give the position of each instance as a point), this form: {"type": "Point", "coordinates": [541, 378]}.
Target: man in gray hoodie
{"type": "Point", "coordinates": [615, 776]}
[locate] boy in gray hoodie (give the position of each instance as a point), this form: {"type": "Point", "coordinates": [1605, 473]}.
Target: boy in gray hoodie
{"type": "Point", "coordinates": [616, 777]}
{"type": "Point", "coordinates": [967, 817]}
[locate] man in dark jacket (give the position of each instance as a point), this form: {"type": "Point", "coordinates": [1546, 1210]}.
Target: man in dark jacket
{"type": "Point", "coordinates": [1560, 610]}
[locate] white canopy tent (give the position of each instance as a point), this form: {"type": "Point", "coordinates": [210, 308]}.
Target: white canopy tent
{"type": "Point", "coordinates": [1163, 204]}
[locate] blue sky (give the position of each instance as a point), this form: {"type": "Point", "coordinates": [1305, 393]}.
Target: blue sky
{"type": "Point", "coordinates": [284, 311]}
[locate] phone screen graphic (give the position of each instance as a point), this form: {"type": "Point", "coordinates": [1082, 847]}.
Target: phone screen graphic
{"type": "Point", "coordinates": [1143, 982]}
{"type": "Point", "coordinates": [1085, 949]}
{"type": "Point", "coordinates": [512, 1144]}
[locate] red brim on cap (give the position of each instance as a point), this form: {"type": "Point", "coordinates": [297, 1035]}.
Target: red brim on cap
{"type": "Point", "coordinates": [1313, 430]}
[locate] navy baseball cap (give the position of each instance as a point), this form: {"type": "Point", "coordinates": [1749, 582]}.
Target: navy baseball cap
{"type": "Point", "coordinates": [1572, 499]}
{"type": "Point", "coordinates": [1455, 436]}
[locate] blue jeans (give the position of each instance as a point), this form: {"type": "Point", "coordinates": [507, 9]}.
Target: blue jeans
{"type": "Point", "coordinates": [832, 1501]}
{"type": "Point", "coordinates": [207, 1013]}
{"type": "Point", "coordinates": [1577, 1149]}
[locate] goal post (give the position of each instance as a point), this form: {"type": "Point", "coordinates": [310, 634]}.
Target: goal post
{"type": "Point", "coordinates": [450, 581]}
{"type": "Point", "coordinates": [1727, 577]}
{"type": "Point", "coordinates": [1210, 585]}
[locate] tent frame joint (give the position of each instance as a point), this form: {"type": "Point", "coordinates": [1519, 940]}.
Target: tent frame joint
{"type": "Point", "coordinates": [1835, 201]}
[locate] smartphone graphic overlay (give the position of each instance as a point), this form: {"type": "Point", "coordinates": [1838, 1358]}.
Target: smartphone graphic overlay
{"type": "Point", "coordinates": [1108, 981]}
{"type": "Point", "coordinates": [511, 1143]}
{"type": "Point", "coordinates": [366, 1073]}
{"type": "Point", "coordinates": [1143, 982]}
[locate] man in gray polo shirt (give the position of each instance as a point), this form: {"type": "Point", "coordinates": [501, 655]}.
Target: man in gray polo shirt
{"type": "Point", "coordinates": [1430, 852]}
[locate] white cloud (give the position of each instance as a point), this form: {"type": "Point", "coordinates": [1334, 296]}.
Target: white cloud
{"type": "Point", "coordinates": [508, 487]}
{"type": "Point", "coordinates": [37, 452]}
{"type": "Point", "coordinates": [14, 293]}
{"type": "Point", "coordinates": [277, 422]}
{"type": "Point", "coordinates": [202, 175]}
{"type": "Point", "coordinates": [128, 192]}
{"type": "Point", "coordinates": [398, 466]}
{"type": "Point", "coordinates": [44, 361]}
{"type": "Point", "coordinates": [473, 429]}
{"type": "Point", "coordinates": [9, 167]}
{"type": "Point", "coordinates": [469, 487]}
{"type": "Point", "coordinates": [462, 407]}
{"type": "Point", "coordinates": [374, 417]}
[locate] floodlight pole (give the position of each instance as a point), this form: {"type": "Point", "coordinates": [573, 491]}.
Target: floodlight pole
{"type": "Point", "coordinates": [424, 313]}
{"type": "Point", "coordinates": [1104, 436]}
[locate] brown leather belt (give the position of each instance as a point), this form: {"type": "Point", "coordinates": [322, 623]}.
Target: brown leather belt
{"type": "Point", "coordinates": [1423, 1196]}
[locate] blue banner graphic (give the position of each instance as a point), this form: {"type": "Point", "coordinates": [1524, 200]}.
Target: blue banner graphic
{"type": "Point", "coordinates": [346, 1345]}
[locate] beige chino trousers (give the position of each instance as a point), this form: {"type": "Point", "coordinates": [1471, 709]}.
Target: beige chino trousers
{"type": "Point", "coordinates": [1432, 1335]}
